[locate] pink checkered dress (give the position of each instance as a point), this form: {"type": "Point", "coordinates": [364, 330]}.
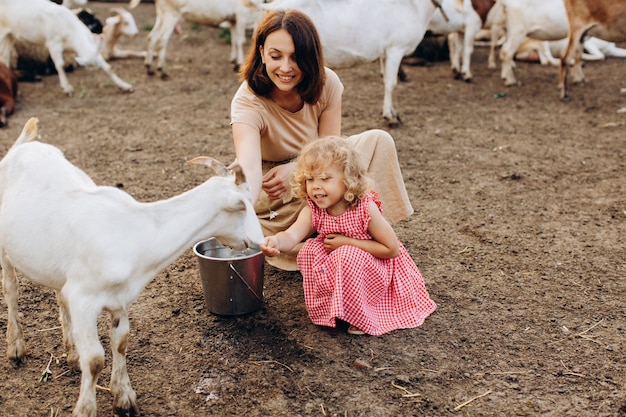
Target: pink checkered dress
{"type": "Point", "coordinates": [376, 295]}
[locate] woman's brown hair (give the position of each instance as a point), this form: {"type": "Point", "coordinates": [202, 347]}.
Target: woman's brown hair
{"type": "Point", "coordinates": [308, 48]}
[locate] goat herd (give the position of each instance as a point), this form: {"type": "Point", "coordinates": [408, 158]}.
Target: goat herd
{"type": "Point", "coordinates": [352, 32]}
{"type": "Point", "coordinates": [79, 210]}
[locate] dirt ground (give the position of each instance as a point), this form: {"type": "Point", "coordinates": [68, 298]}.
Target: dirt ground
{"type": "Point", "coordinates": [519, 231]}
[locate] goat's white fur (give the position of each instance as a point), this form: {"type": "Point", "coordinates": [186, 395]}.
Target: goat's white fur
{"type": "Point", "coordinates": [237, 13]}
{"type": "Point", "coordinates": [98, 248]}
{"type": "Point", "coordinates": [71, 4]}
{"type": "Point", "coordinates": [43, 22]}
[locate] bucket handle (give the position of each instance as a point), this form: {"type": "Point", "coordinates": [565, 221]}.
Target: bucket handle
{"type": "Point", "coordinates": [244, 281]}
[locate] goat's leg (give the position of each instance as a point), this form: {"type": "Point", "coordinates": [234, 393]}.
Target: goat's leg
{"type": "Point", "coordinates": [6, 47]}
{"type": "Point", "coordinates": [56, 53]}
{"type": "Point", "coordinates": [66, 325]}
{"type": "Point", "coordinates": [167, 28]}
{"type": "Point", "coordinates": [512, 43]}
{"type": "Point", "coordinates": [84, 311]}
{"type": "Point", "coordinates": [545, 55]}
{"type": "Point", "coordinates": [390, 79]}
{"type": "Point", "coordinates": [572, 52]}
{"type": "Point", "coordinates": [127, 53]}
{"type": "Point", "coordinates": [124, 397]}
{"type": "Point", "coordinates": [496, 31]}
{"type": "Point", "coordinates": [16, 348]}
{"type": "Point", "coordinates": [578, 77]}
{"type": "Point", "coordinates": [466, 60]}
{"type": "Point", "coordinates": [3, 116]}
{"type": "Point", "coordinates": [152, 41]}
{"type": "Point", "coordinates": [455, 47]}
{"type": "Point", "coordinates": [515, 34]}
{"type": "Point", "coordinates": [238, 38]}
{"type": "Point", "coordinates": [472, 27]}
{"type": "Point", "coordinates": [104, 66]}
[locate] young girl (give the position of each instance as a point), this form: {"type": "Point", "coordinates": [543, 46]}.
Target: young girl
{"type": "Point", "coordinates": [355, 269]}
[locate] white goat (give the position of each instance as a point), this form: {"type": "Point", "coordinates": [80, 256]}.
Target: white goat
{"type": "Point", "coordinates": [121, 24]}
{"type": "Point", "coordinates": [460, 19]}
{"type": "Point", "coordinates": [98, 248]}
{"type": "Point", "coordinates": [549, 52]}
{"type": "Point", "coordinates": [32, 60]}
{"type": "Point", "coordinates": [46, 23]}
{"type": "Point", "coordinates": [537, 19]}
{"type": "Point", "coordinates": [353, 32]}
{"type": "Point", "coordinates": [202, 12]}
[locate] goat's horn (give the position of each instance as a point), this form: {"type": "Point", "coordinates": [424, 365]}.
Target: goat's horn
{"type": "Point", "coordinates": [212, 163]}
{"type": "Point", "coordinates": [236, 169]}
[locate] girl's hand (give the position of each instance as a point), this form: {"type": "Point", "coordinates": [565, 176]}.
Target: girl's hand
{"type": "Point", "coordinates": [334, 240]}
{"type": "Point", "coordinates": [276, 181]}
{"type": "Point", "coordinates": [271, 247]}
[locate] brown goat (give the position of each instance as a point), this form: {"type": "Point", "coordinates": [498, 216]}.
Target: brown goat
{"type": "Point", "coordinates": [604, 19]}
{"type": "Point", "coordinates": [8, 92]}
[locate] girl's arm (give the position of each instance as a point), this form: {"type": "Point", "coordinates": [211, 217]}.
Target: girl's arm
{"type": "Point", "coordinates": [288, 239]}
{"type": "Point", "coordinates": [384, 242]}
{"type": "Point", "coordinates": [247, 142]}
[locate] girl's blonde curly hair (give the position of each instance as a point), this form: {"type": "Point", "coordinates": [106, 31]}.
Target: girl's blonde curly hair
{"type": "Point", "coordinates": [331, 150]}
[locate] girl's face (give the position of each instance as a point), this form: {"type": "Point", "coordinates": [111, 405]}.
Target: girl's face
{"type": "Point", "coordinates": [279, 56]}
{"type": "Point", "coordinates": [326, 189]}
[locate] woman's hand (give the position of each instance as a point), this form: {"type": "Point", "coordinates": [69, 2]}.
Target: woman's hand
{"type": "Point", "coordinates": [276, 181]}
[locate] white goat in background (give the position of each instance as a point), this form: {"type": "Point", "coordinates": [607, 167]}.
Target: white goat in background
{"type": "Point", "coordinates": [43, 22]}
{"type": "Point", "coordinates": [98, 248]}
{"type": "Point", "coordinates": [549, 52]}
{"type": "Point", "coordinates": [203, 12]}
{"type": "Point", "coordinates": [354, 32]}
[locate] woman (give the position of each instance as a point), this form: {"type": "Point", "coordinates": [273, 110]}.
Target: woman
{"type": "Point", "coordinates": [288, 98]}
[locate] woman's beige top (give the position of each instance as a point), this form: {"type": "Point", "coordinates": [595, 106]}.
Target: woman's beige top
{"type": "Point", "coordinates": [283, 133]}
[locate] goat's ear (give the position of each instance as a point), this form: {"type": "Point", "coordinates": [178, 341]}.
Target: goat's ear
{"type": "Point", "coordinates": [212, 163]}
{"type": "Point", "coordinates": [238, 207]}
{"type": "Point", "coordinates": [112, 20]}
{"type": "Point", "coordinates": [236, 169]}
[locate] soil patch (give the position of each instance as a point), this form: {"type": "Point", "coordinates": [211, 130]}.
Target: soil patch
{"type": "Point", "coordinates": [519, 232]}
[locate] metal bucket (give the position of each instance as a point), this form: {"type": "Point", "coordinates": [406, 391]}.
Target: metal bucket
{"type": "Point", "coordinates": [232, 280]}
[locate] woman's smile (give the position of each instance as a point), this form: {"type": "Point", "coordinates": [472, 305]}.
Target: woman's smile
{"type": "Point", "coordinates": [285, 78]}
